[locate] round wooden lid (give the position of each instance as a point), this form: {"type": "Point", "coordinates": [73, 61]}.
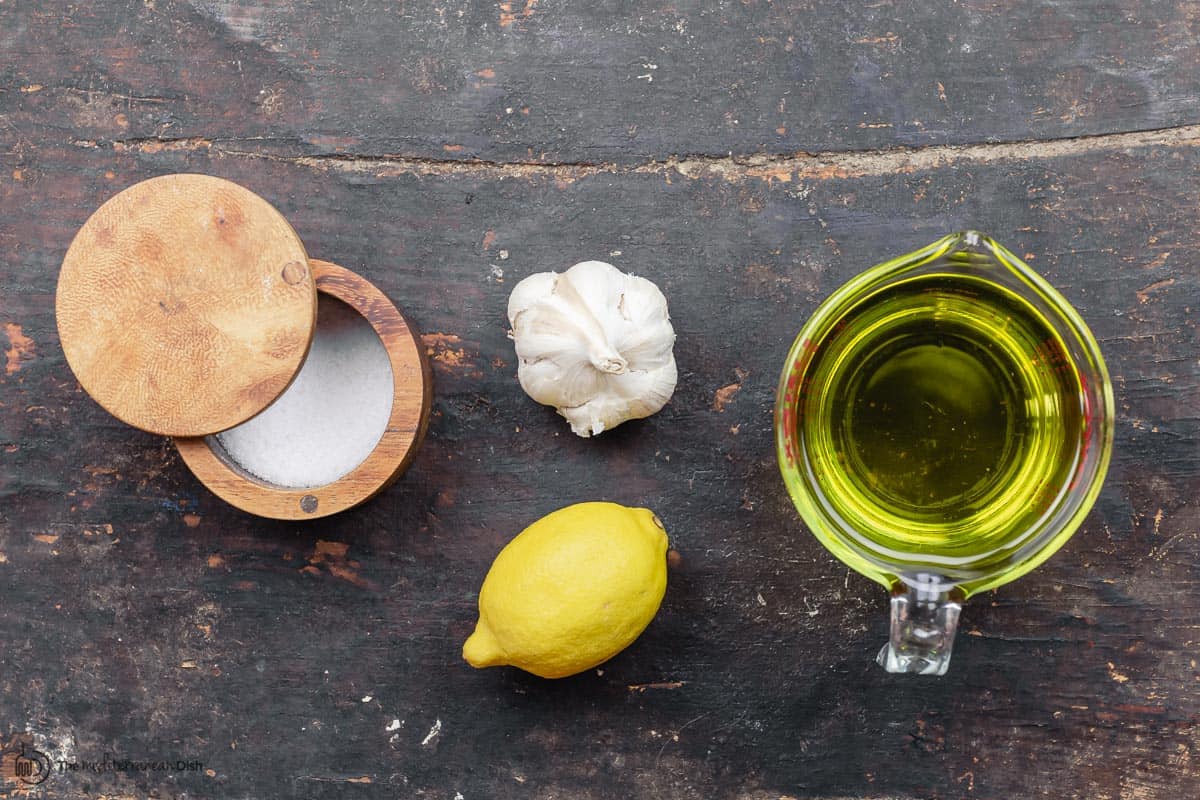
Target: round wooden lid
{"type": "Point", "coordinates": [186, 305]}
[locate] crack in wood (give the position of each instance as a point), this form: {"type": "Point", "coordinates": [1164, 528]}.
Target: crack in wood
{"type": "Point", "coordinates": [799, 166]}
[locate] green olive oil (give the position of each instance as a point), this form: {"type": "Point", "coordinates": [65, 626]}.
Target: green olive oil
{"type": "Point", "coordinates": [940, 416]}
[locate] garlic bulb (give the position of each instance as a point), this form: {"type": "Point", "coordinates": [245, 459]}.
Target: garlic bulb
{"type": "Point", "coordinates": [595, 343]}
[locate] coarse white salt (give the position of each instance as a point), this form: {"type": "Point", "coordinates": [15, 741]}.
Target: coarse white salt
{"type": "Point", "coordinates": [330, 419]}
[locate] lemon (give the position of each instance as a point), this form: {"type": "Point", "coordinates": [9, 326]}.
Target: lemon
{"type": "Point", "coordinates": [571, 591]}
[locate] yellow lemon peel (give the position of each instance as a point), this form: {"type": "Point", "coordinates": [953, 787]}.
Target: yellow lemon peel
{"type": "Point", "coordinates": [571, 591]}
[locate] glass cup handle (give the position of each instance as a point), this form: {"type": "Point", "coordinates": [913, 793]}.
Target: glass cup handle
{"type": "Point", "coordinates": [924, 619]}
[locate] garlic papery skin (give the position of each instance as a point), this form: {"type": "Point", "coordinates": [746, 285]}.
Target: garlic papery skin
{"type": "Point", "coordinates": [595, 343]}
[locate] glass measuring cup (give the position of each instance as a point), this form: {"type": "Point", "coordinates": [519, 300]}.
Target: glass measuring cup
{"type": "Point", "coordinates": [943, 425]}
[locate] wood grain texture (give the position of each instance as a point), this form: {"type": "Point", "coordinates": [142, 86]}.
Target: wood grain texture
{"type": "Point", "coordinates": [185, 305]}
{"type": "Point", "coordinates": [144, 617]}
{"type": "Point", "coordinates": [411, 399]}
{"type": "Point", "coordinates": [607, 81]}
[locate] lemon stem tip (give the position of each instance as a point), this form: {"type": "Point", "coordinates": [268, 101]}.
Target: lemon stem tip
{"type": "Point", "coordinates": [481, 648]}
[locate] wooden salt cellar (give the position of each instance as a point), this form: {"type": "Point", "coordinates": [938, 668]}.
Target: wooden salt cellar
{"type": "Point", "coordinates": [187, 304]}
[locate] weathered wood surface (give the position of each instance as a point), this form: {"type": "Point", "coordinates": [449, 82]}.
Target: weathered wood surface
{"type": "Point", "coordinates": [537, 80]}
{"type": "Point", "coordinates": [142, 618]}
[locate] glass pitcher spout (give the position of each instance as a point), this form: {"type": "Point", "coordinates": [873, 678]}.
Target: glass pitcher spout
{"type": "Point", "coordinates": [924, 621]}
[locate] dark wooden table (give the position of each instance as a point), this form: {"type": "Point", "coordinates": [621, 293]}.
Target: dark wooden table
{"type": "Point", "coordinates": [749, 157]}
